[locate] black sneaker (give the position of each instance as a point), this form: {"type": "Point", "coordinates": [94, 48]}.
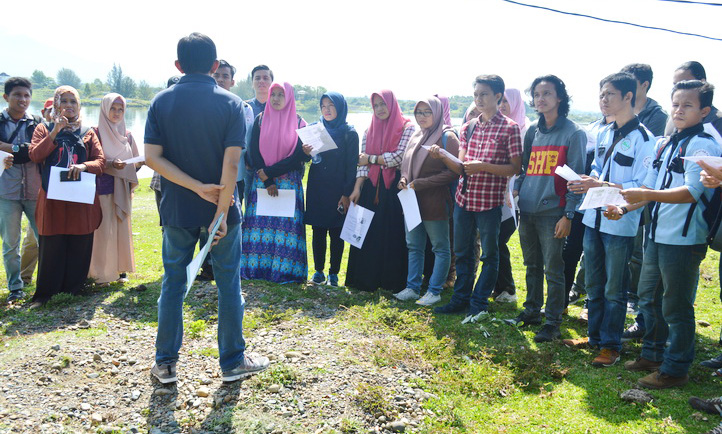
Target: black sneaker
{"type": "Point", "coordinates": [547, 333]}
{"type": "Point", "coordinates": [451, 308]}
{"type": "Point", "coordinates": [574, 296]}
{"type": "Point", "coordinates": [523, 320]}
{"type": "Point", "coordinates": [16, 294]}
{"type": "Point", "coordinates": [711, 406]}
{"type": "Point", "coordinates": [634, 332]}
{"type": "Point", "coordinates": [715, 430]}
{"type": "Point", "coordinates": [713, 363]}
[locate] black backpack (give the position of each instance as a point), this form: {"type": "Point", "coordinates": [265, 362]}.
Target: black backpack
{"type": "Point", "coordinates": [22, 156]}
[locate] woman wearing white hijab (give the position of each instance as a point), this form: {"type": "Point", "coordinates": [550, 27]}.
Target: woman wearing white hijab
{"type": "Point", "coordinates": [113, 240]}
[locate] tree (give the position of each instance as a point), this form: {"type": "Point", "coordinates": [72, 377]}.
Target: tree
{"type": "Point", "coordinates": [127, 87]}
{"type": "Point", "coordinates": [115, 79]}
{"type": "Point", "coordinates": [144, 91]}
{"type": "Point", "coordinates": [39, 79]}
{"type": "Point", "coordinates": [244, 88]}
{"type": "Point", "coordinates": [68, 77]}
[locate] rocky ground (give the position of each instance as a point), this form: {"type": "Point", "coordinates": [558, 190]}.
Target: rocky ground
{"type": "Point", "coordinates": [84, 368]}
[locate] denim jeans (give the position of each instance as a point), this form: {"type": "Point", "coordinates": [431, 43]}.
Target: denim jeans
{"type": "Point", "coordinates": [438, 232]}
{"type": "Point", "coordinates": [178, 246]}
{"type": "Point", "coordinates": [11, 214]}
{"type": "Point", "coordinates": [667, 289]}
{"type": "Point", "coordinates": [605, 260]}
{"type": "Point", "coordinates": [465, 225]}
{"type": "Point", "coordinates": [542, 257]}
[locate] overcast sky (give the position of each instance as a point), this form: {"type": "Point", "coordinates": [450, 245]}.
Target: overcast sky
{"type": "Point", "coordinates": [414, 48]}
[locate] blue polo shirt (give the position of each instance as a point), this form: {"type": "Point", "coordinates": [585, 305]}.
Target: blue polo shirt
{"type": "Point", "coordinates": [194, 121]}
{"type": "Point", "coordinates": [668, 222]}
{"type": "Point", "coordinates": [626, 165]}
{"type": "Point", "coordinates": [257, 106]}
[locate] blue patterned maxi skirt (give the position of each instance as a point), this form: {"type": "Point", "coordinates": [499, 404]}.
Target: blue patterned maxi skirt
{"type": "Point", "coordinates": [274, 248]}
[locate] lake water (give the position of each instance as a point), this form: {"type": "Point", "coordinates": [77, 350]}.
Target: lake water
{"type": "Point", "coordinates": [135, 122]}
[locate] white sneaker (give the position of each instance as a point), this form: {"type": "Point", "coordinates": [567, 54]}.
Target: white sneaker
{"type": "Point", "coordinates": [505, 297]}
{"type": "Point", "coordinates": [428, 299]}
{"type": "Point", "coordinates": [407, 294]}
{"type": "Point", "coordinates": [476, 318]}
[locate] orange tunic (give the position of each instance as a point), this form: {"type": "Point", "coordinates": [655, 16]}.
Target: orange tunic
{"type": "Point", "coordinates": [56, 217]}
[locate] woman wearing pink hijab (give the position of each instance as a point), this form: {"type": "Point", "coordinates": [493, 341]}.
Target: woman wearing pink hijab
{"type": "Point", "coordinates": [113, 240]}
{"type": "Point", "coordinates": [381, 261]}
{"type": "Point", "coordinates": [274, 248]}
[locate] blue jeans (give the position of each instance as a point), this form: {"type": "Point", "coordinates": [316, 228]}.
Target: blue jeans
{"type": "Point", "coordinates": [178, 246]}
{"type": "Point", "coordinates": [465, 225]}
{"type": "Point", "coordinates": [11, 214]}
{"type": "Point", "coordinates": [667, 289]}
{"type": "Point", "coordinates": [542, 257]}
{"type": "Point", "coordinates": [605, 260]}
{"type": "Point", "coordinates": [438, 231]}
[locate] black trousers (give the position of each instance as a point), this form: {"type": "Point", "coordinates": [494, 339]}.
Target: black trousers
{"type": "Point", "coordinates": [319, 248]}
{"type": "Point", "coordinates": [573, 247]}
{"type": "Point", "coordinates": [63, 264]}
{"type": "Point", "coordinates": [505, 280]}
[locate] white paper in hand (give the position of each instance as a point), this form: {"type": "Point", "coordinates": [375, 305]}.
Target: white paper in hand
{"type": "Point", "coordinates": [446, 153]}
{"type": "Point", "coordinates": [3, 155]}
{"type": "Point", "coordinates": [138, 159]}
{"type": "Point", "coordinates": [82, 191]}
{"type": "Point", "coordinates": [316, 136]}
{"type": "Point", "coordinates": [356, 225]}
{"type": "Point", "coordinates": [712, 161]}
{"type": "Point", "coordinates": [195, 265]}
{"type": "Point", "coordinates": [567, 173]}
{"type": "Point", "coordinates": [283, 205]}
{"type": "Point", "coordinates": [410, 205]}
{"type": "Point", "coordinates": [601, 197]}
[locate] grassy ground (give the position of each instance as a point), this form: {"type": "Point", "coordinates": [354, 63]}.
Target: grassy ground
{"type": "Point", "coordinates": [503, 383]}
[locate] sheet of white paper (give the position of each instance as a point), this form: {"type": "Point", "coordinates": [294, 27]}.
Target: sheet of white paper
{"type": "Point", "coordinates": [138, 159]}
{"type": "Point", "coordinates": [82, 191]}
{"type": "Point", "coordinates": [283, 205]}
{"type": "Point", "coordinates": [567, 173]}
{"type": "Point", "coordinates": [448, 154]}
{"type": "Point", "coordinates": [3, 155]}
{"type": "Point", "coordinates": [712, 161]}
{"type": "Point", "coordinates": [506, 211]}
{"type": "Point", "coordinates": [601, 197]}
{"type": "Point", "coordinates": [316, 136]}
{"type": "Point", "coordinates": [356, 225]}
{"type": "Point", "coordinates": [410, 205]}
{"type": "Point", "coordinates": [195, 265]}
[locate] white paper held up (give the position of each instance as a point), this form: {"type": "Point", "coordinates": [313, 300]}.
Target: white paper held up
{"type": "Point", "coordinates": [448, 154]}
{"type": "Point", "coordinates": [567, 173]}
{"type": "Point", "coordinates": [3, 155]}
{"type": "Point", "coordinates": [195, 265]}
{"type": "Point", "coordinates": [82, 191]}
{"type": "Point", "coordinates": [138, 159]}
{"type": "Point", "coordinates": [601, 197]}
{"type": "Point", "coordinates": [712, 161]}
{"type": "Point", "coordinates": [283, 205]}
{"type": "Point", "coordinates": [410, 205]}
{"type": "Point", "coordinates": [356, 225]}
{"type": "Point", "coordinates": [316, 136]}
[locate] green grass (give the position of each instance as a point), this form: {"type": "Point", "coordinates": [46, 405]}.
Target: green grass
{"type": "Point", "coordinates": [504, 383]}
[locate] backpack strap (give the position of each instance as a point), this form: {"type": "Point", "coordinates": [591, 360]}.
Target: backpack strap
{"type": "Point", "coordinates": [470, 128]}
{"type": "Point", "coordinates": [443, 139]}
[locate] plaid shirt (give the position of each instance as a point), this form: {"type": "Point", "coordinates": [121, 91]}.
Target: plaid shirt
{"type": "Point", "coordinates": [392, 159]}
{"type": "Point", "coordinates": [497, 142]}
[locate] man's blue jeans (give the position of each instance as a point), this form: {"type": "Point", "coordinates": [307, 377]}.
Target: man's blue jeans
{"type": "Point", "coordinates": [438, 232]}
{"type": "Point", "coordinates": [465, 225]}
{"type": "Point", "coordinates": [667, 289]}
{"type": "Point", "coordinates": [605, 261]}
{"type": "Point", "coordinates": [11, 214]}
{"type": "Point", "coordinates": [542, 256]}
{"type": "Point", "coordinates": [178, 246]}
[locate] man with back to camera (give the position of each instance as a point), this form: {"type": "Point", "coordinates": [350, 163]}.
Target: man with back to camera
{"type": "Point", "coordinates": [193, 197]}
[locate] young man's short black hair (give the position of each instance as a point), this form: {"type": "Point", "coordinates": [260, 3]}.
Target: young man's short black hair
{"type": "Point", "coordinates": [223, 64]}
{"type": "Point", "coordinates": [623, 82]}
{"type": "Point", "coordinates": [561, 89]}
{"type": "Point", "coordinates": [196, 53]}
{"type": "Point", "coordinates": [262, 68]}
{"type": "Point", "coordinates": [14, 82]}
{"type": "Point", "coordinates": [495, 82]}
{"type": "Point", "coordinates": [695, 68]}
{"type": "Point", "coordinates": [706, 91]}
{"type": "Point", "coordinates": [641, 71]}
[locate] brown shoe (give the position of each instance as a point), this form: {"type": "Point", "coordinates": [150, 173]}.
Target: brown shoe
{"type": "Point", "coordinates": [642, 364]}
{"type": "Point", "coordinates": [658, 380]}
{"type": "Point", "coordinates": [606, 358]}
{"type": "Point", "coordinates": [578, 342]}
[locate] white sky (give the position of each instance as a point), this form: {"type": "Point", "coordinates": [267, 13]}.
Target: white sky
{"type": "Point", "coordinates": [416, 48]}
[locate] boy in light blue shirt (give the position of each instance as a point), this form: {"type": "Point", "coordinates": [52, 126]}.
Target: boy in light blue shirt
{"type": "Point", "coordinates": [622, 154]}
{"type": "Point", "coordinates": [677, 242]}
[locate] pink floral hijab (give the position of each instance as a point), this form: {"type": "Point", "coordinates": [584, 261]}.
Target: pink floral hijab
{"type": "Point", "coordinates": [384, 136]}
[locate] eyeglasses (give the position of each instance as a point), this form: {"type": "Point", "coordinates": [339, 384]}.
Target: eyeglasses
{"type": "Point", "coordinates": [424, 113]}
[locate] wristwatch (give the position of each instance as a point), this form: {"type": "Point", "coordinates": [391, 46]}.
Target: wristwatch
{"type": "Point", "coordinates": [624, 210]}
{"type": "Point", "coordinates": [569, 215]}
{"type": "Point", "coordinates": [373, 159]}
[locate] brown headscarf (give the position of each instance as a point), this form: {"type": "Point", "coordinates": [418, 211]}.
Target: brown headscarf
{"type": "Point", "coordinates": [415, 154]}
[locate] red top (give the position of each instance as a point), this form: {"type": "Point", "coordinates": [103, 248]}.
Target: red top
{"type": "Point", "coordinates": [56, 217]}
{"type": "Point", "coordinates": [497, 142]}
